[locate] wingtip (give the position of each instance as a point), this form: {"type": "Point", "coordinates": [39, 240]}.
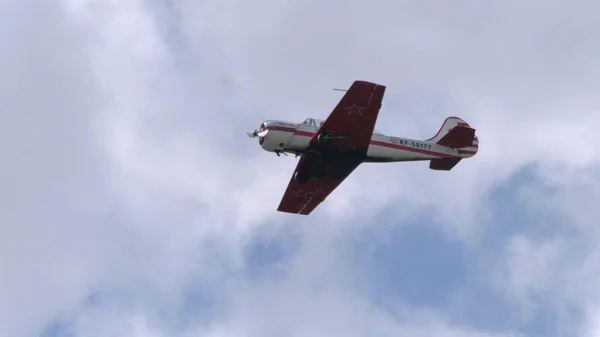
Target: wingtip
{"type": "Point", "coordinates": [368, 83]}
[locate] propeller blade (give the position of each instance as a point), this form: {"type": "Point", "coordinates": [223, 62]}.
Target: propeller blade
{"type": "Point", "coordinates": [255, 133]}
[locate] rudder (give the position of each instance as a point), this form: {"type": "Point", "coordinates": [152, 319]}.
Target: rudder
{"type": "Point", "coordinates": [457, 134]}
{"type": "Point", "coordinates": [449, 124]}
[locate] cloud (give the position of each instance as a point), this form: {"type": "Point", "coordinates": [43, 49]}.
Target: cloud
{"type": "Point", "coordinates": [132, 187]}
{"type": "Point", "coordinates": [51, 170]}
{"type": "Point", "coordinates": [531, 267]}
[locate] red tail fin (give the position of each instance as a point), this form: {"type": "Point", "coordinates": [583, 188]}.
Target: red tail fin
{"type": "Point", "coordinates": [457, 137]}
{"type": "Point", "coordinates": [457, 134]}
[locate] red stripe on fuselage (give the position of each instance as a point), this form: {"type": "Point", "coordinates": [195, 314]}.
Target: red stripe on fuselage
{"type": "Point", "coordinates": [372, 142]}
{"type": "Point", "coordinates": [281, 128]}
{"type": "Point", "coordinates": [304, 134]}
{"type": "Point", "coordinates": [410, 149]}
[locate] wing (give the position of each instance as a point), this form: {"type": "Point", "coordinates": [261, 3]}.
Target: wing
{"type": "Point", "coordinates": [304, 198]}
{"type": "Point", "coordinates": [354, 116]}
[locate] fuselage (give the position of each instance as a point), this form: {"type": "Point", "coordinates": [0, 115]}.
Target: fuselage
{"type": "Point", "coordinates": [288, 137]}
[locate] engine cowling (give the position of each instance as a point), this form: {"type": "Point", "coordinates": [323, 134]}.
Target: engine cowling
{"type": "Point", "coordinates": [274, 136]}
{"type": "Point", "coordinates": [277, 136]}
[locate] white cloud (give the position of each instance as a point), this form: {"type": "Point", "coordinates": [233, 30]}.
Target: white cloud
{"type": "Point", "coordinates": [51, 169]}
{"type": "Point", "coordinates": [144, 181]}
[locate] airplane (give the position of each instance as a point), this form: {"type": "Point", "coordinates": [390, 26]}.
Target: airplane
{"type": "Point", "coordinates": [331, 149]}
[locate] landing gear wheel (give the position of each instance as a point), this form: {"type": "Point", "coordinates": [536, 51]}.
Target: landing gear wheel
{"type": "Point", "coordinates": [323, 139]}
{"type": "Point", "coordinates": [301, 177]}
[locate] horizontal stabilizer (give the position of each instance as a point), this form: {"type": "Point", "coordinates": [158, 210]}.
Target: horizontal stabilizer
{"type": "Point", "coordinates": [459, 136]}
{"type": "Point", "coordinates": [443, 164]}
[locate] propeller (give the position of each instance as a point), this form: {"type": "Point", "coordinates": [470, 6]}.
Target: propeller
{"type": "Point", "coordinates": [256, 133]}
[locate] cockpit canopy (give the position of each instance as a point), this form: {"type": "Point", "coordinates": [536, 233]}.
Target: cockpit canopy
{"type": "Point", "coordinates": [313, 122]}
{"type": "Point", "coordinates": [317, 123]}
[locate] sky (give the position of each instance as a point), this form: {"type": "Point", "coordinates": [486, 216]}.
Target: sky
{"type": "Point", "coordinates": [133, 204]}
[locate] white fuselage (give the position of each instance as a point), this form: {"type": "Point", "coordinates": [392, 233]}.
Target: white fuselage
{"type": "Point", "coordinates": [286, 137]}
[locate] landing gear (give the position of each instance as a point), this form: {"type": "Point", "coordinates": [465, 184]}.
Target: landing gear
{"type": "Point", "coordinates": [301, 177]}
{"type": "Point", "coordinates": [324, 139]}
